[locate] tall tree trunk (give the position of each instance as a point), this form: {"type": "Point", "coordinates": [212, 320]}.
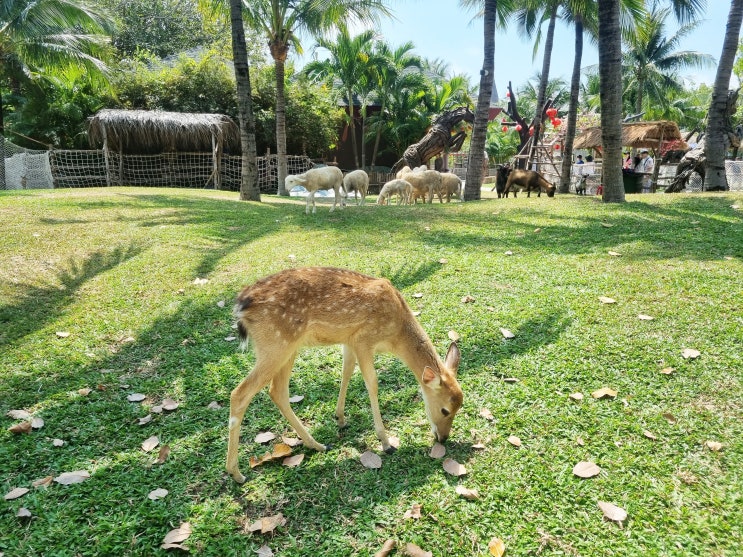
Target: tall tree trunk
{"type": "Point", "coordinates": [3, 185]}
{"type": "Point", "coordinates": [543, 82]}
{"type": "Point", "coordinates": [715, 145]}
{"type": "Point", "coordinates": [281, 166]}
{"type": "Point", "coordinates": [473, 179]}
{"type": "Point", "coordinates": [610, 75]}
{"type": "Point", "coordinates": [352, 128]}
{"type": "Point", "coordinates": [249, 174]}
{"type": "Point", "coordinates": [363, 137]}
{"type": "Point", "coordinates": [567, 153]}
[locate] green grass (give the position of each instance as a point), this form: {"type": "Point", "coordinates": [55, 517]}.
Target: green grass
{"type": "Point", "coordinates": [115, 268]}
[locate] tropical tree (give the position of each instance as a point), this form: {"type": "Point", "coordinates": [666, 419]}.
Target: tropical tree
{"type": "Point", "coordinates": [42, 35]}
{"type": "Point", "coordinates": [715, 144]}
{"type": "Point", "coordinates": [281, 22]}
{"type": "Point", "coordinates": [249, 190]}
{"type": "Point", "coordinates": [651, 61]}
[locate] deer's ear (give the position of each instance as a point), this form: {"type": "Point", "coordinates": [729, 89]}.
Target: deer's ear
{"type": "Point", "coordinates": [453, 356]}
{"type": "Point", "coordinates": [430, 378]}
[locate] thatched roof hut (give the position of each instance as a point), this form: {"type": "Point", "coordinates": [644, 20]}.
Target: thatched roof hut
{"type": "Point", "coordinates": [649, 135]}
{"type": "Point", "coordinates": [148, 132]}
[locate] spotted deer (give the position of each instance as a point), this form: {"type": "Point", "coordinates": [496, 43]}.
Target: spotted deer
{"type": "Point", "coordinates": [300, 307]}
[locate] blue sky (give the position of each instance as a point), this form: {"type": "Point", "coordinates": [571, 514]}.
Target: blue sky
{"type": "Point", "coordinates": [441, 29]}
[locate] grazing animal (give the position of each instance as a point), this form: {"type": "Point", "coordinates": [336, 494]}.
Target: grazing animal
{"type": "Point", "coordinates": [322, 178]}
{"type": "Point", "coordinates": [450, 185]}
{"type": "Point", "coordinates": [401, 188]}
{"type": "Point", "coordinates": [501, 177]}
{"type": "Point", "coordinates": [425, 183]}
{"type": "Point", "coordinates": [297, 307]}
{"type": "Point", "coordinates": [356, 181]}
{"type": "Point", "coordinates": [528, 180]}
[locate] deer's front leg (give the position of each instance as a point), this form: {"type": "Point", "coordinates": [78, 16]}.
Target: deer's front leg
{"type": "Point", "coordinates": [349, 363]}
{"type": "Point", "coordinates": [366, 364]}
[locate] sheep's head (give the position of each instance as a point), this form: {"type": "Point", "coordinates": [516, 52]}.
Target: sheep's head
{"type": "Point", "coordinates": [293, 180]}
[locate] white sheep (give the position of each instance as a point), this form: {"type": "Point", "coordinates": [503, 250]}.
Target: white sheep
{"type": "Point", "coordinates": [451, 185]}
{"type": "Point", "coordinates": [356, 181]}
{"type": "Point", "coordinates": [425, 183]}
{"type": "Point", "coordinates": [399, 187]}
{"type": "Point", "coordinates": [323, 178]}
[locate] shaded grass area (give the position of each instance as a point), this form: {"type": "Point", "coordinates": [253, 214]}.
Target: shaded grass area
{"type": "Point", "coordinates": [115, 268]}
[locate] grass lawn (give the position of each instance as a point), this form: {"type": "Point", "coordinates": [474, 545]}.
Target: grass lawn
{"type": "Point", "coordinates": [115, 270]}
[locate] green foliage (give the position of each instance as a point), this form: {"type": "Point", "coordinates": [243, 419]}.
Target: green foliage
{"type": "Point", "coordinates": [501, 146]}
{"type": "Point", "coordinates": [120, 280]}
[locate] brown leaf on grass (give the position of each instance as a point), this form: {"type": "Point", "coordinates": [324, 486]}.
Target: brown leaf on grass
{"type": "Point", "coordinates": [479, 446]}
{"type": "Point", "coordinates": [607, 225]}
{"type": "Point", "coordinates": [612, 512]}
{"type": "Point", "coordinates": [577, 396]}
{"type": "Point", "coordinates": [413, 512]}
{"type": "Point", "coordinates": [280, 450]}
{"type": "Point", "coordinates": [156, 494]}
{"type": "Point", "coordinates": [485, 413]}
{"type": "Point", "coordinates": [586, 469]}
{"type": "Point", "coordinates": [537, 230]}
{"type": "Point", "coordinates": [496, 547]}
{"type": "Point", "coordinates": [604, 392]}
{"type": "Point", "coordinates": [454, 468]}
{"type": "Point", "coordinates": [147, 419]}
{"type": "Point", "coordinates": [18, 414]}
{"type": "Point", "coordinates": [643, 317]}
{"type": "Point", "coordinates": [607, 300]}
{"type": "Point", "coordinates": [580, 442]}
{"type": "Point", "coordinates": [388, 547]}
{"type": "Point", "coordinates": [37, 423]}
{"type": "Point", "coordinates": [214, 405]}
{"type": "Point", "coordinates": [506, 333]}
{"type": "Point", "coordinates": [62, 334]}
{"type": "Point", "coordinates": [437, 451]}
{"type": "Point", "coordinates": [23, 427]}
{"type": "Point", "coordinates": [84, 391]}
{"type": "Point", "coordinates": [43, 482]}
{"type": "Point", "coordinates": [415, 551]}
{"type": "Point", "coordinates": [510, 380]}
{"type": "Point", "coordinates": [418, 295]}
{"type": "Point", "coordinates": [515, 441]}
{"type": "Point", "coordinates": [23, 512]}
{"type": "Point", "coordinates": [667, 370]}
{"type": "Point", "coordinates": [265, 437]}
{"type": "Point", "coordinates": [394, 441]}
{"type": "Point", "coordinates": [157, 409]}
{"type": "Point", "coordinates": [469, 494]}
{"type": "Point", "coordinates": [150, 443]}
{"type": "Point", "coordinates": [670, 418]}
{"type": "Point", "coordinates": [296, 398]}
{"type": "Point", "coordinates": [267, 524]}
{"type": "Point", "coordinates": [162, 456]}
{"type": "Point", "coordinates": [649, 435]}
{"type": "Point", "coordinates": [713, 445]}
{"type": "Point", "coordinates": [293, 461]}
{"type": "Point", "coordinates": [136, 397]}
{"type": "Point", "coordinates": [690, 354]}
{"type": "Point", "coordinates": [467, 299]}
{"type": "Point", "coordinates": [16, 493]}
{"type": "Point", "coordinates": [76, 477]}
{"type": "Point", "coordinates": [509, 252]}
{"type": "Point", "coordinates": [291, 441]}
{"type": "Point", "coordinates": [169, 404]}
{"type": "Point", "coordinates": [264, 551]}
{"type": "Point", "coordinates": [176, 536]}
{"type": "Point", "coordinates": [371, 460]}
{"type": "Point", "coordinates": [615, 254]}
{"type": "Point", "coordinates": [454, 336]}
{"type": "Point", "coordinates": [443, 261]}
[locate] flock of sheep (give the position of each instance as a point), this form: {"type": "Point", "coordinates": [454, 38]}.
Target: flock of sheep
{"type": "Point", "coordinates": [408, 186]}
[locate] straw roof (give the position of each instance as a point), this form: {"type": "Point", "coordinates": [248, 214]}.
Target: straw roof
{"type": "Point", "coordinates": [634, 134]}
{"type": "Point", "coordinates": [145, 131]}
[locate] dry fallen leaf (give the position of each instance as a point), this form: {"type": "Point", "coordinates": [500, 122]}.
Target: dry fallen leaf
{"type": "Point", "coordinates": [296, 398]}
{"type": "Point", "coordinates": [510, 380]}
{"type": "Point", "coordinates": [496, 547]}
{"type": "Point", "coordinates": [454, 468]}
{"type": "Point", "coordinates": [169, 404]}
{"type": "Point", "coordinates": [606, 225]}
{"type": "Point", "coordinates": [57, 442]}
{"type": "Point", "coordinates": [37, 423]}
{"type": "Point", "coordinates": [443, 261]}
{"type": "Point", "coordinates": [506, 333]}
{"type": "Point", "coordinates": [280, 450]}
{"type": "Point", "coordinates": [467, 299]}
{"type": "Point", "coordinates": [265, 437]}
{"type": "Point", "coordinates": [643, 317]}
{"type": "Point", "coordinates": [669, 417]}
{"type": "Point", "coordinates": [580, 442]}
{"type": "Point", "coordinates": [371, 460]}
{"type": "Point", "coordinates": [586, 469]}
{"type": "Point", "coordinates": [413, 512]}
{"type": "Point", "coordinates": [176, 536]}
{"type": "Point", "coordinates": [156, 494]}
{"type": "Point", "coordinates": [267, 524]}
{"type": "Point", "coordinates": [485, 413]}
{"type": "Point", "coordinates": [713, 445]}
{"type": "Point", "coordinates": [62, 334]}
{"type": "Point", "coordinates": [690, 354]}
{"type": "Point", "coordinates": [18, 414]}
{"type": "Point", "coordinates": [604, 392]}
{"type": "Point", "coordinates": [615, 254]}
{"type": "Point", "coordinates": [667, 370]}
{"type": "Point", "coordinates": [293, 461]}
{"type": "Point", "coordinates": [76, 477]}
{"type": "Point", "coordinates": [214, 405]}
{"type": "Point", "coordinates": [577, 396]}
{"type": "Point", "coordinates": [612, 512]}
{"type": "Point", "coordinates": [23, 512]}
{"type": "Point", "coordinates": [537, 230]}
{"type": "Point", "coordinates": [264, 551]}
{"type": "Point", "coordinates": [147, 419]}
{"type": "Point", "coordinates": [509, 252]}
{"type": "Point", "coordinates": [470, 494]}
{"type": "Point", "coordinates": [16, 493]}
{"type": "Point", "coordinates": [163, 454]}
{"type": "Point", "coordinates": [649, 435]}
{"type": "Point", "coordinates": [43, 482]}
{"type": "Point", "coordinates": [388, 547]}
{"type": "Point", "coordinates": [291, 441]}
{"type": "Point", "coordinates": [415, 551]}
{"type": "Point", "coordinates": [479, 446]}
{"type": "Point", "coordinates": [136, 397]}
{"type": "Point", "coordinates": [454, 336]}
{"type": "Point", "coordinates": [200, 281]}
{"type": "Point", "coordinates": [220, 303]}
{"type": "Point", "coordinates": [515, 441]}
{"type": "Point", "coordinates": [607, 300]}
{"type": "Point", "coordinates": [437, 451]}
{"type": "Point", "coordinates": [85, 391]}
{"type": "Point", "coordinates": [150, 443]}
{"type": "Point", "coordinates": [157, 409]}
{"type": "Point", "coordinates": [418, 295]}
{"type": "Point", "coordinates": [23, 427]}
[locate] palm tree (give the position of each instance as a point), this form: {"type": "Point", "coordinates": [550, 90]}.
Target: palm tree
{"type": "Point", "coordinates": [651, 61]}
{"type": "Point", "coordinates": [38, 35]}
{"type": "Point", "coordinates": [281, 21]}
{"type": "Point", "coordinates": [349, 68]}
{"type": "Point", "coordinates": [718, 111]}
{"type": "Point", "coordinates": [249, 190]}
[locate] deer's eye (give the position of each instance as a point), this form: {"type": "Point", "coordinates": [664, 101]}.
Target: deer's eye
{"type": "Point", "coordinates": [445, 412]}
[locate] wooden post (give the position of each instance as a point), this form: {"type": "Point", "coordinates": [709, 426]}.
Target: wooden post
{"type": "Point", "coordinates": [106, 157]}
{"type": "Point", "coordinates": [658, 161]}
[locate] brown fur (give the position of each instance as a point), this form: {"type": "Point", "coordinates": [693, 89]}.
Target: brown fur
{"type": "Point", "coordinates": [528, 180]}
{"type": "Point", "coordinates": [322, 305]}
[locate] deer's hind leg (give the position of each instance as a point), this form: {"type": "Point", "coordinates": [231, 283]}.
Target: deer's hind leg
{"type": "Point", "coordinates": [349, 364]}
{"type": "Point", "coordinates": [279, 392]}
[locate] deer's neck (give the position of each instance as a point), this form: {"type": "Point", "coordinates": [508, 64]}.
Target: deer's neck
{"type": "Point", "coordinates": [416, 349]}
